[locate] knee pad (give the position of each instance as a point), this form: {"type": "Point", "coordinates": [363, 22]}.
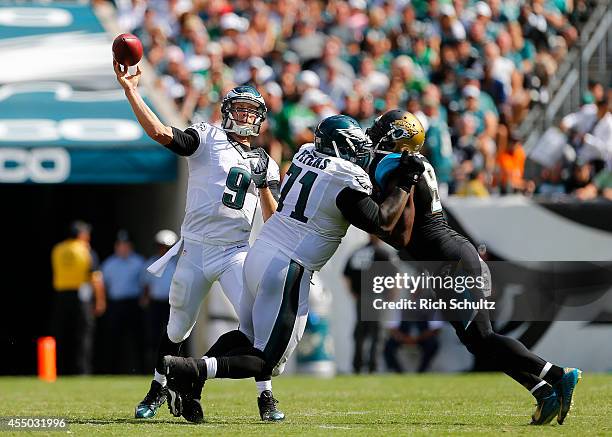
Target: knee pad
{"type": "Point", "coordinates": [182, 282]}
{"type": "Point", "coordinates": [179, 325]}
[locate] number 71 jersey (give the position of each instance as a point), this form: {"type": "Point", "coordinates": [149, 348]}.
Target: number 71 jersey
{"type": "Point", "coordinates": [307, 225]}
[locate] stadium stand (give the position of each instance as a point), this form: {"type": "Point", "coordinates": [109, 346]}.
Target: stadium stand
{"type": "Point", "coordinates": [470, 70]}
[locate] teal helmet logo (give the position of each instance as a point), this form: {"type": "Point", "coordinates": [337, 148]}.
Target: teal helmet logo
{"type": "Point", "coordinates": [256, 106]}
{"type": "Point", "coordinates": [341, 136]}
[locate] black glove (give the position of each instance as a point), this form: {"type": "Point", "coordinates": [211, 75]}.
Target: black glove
{"type": "Point", "coordinates": [259, 167]}
{"type": "Point", "coordinates": [410, 170]}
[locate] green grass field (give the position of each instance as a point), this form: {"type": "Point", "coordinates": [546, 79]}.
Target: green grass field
{"type": "Point", "coordinates": [484, 404]}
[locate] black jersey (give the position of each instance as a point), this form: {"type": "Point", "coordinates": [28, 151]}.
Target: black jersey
{"type": "Point", "coordinates": [432, 238]}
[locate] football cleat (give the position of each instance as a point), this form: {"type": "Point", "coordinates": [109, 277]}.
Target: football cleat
{"type": "Point", "coordinates": [192, 409]}
{"type": "Point", "coordinates": [155, 398]}
{"type": "Point", "coordinates": [565, 390]}
{"type": "Point", "coordinates": [267, 407]}
{"type": "Point", "coordinates": [185, 387]}
{"type": "Point", "coordinates": [546, 410]}
{"type": "Point", "coordinates": [175, 403]}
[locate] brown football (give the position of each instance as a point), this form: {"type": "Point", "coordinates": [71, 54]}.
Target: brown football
{"type": "Point", "coordinates": [127, 49]}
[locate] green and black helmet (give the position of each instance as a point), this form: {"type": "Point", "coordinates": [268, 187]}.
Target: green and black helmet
{"type": "Point", "coordinates": [341, 136]}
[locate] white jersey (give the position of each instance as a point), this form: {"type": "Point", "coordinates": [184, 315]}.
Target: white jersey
{"type": "Point", "coordinates": [221, 200]}
{"type": "Point", "coordinates": [308, 226]}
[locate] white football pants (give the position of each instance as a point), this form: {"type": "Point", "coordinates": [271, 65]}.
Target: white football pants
{"type": "Point", "coordinates": [274, 305]}
{"type": "Point", "coordinates": [198, 267]}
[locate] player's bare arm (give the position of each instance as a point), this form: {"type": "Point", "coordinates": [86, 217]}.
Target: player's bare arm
{"type": "Point", "coordinates": [402, 232]}
{"type": "Point", "coordinates": [146, 117]}
{"type": "Point", "coordinates": [391, 210]}
{"type": "Point", "coordinates": [408, 174]}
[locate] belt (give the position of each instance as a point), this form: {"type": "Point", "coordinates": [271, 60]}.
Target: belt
{"type": "Point", "coordinates": [159, 267]}
{"type": "Point", "coordinates": [203, 239]}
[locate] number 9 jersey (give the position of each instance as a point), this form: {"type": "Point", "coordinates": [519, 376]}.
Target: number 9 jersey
{"type": "Point", "coordinates": [307, 225]}
{"type": "Point", "coordinates": [221, 200]}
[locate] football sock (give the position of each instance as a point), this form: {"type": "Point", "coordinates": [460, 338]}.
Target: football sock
{"type": "Point", "coordinates": [508, 354]}
{"type": "Point", "coordinates": [541, 390]}
{"type": "Point", "coordinates": [263, 386]}
{"type": "Point", "coordinates": [535, 385]}
{"type": "Point", "coordinates": [551, 373]}
{"type": "Point", "coordinates": [160, 378]}
{"type": "Point", "coordinates": [242, 362]}
{"type": "Point", "coordinates": [230, 343]}
{"type": "Point", "coordinates": [166, 347]}
{"type": "Point", "coordinates": [211, 367]}
{"type": "Point", "coordinates": [512, 354]}
{"type": "Point", "coordinates": [240, 366]}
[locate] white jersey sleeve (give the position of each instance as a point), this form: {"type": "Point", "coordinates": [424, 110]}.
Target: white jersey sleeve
{"type": "Point", "coordinates": [204, 131]}
{"type": "Point", "coordinates": [273, 171]}
{"type": "Point", "coordinates": [357, 180]}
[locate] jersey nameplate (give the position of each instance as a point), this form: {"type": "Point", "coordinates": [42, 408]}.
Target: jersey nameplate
{"type": "Point", "coordinates": [309, 158]}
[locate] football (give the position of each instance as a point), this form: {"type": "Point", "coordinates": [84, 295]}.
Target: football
{"type": "Point", "coordinates": [127, 49]}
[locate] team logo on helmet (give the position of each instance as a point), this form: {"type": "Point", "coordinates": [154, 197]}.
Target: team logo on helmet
{"type": "Point", "coordinates": [407, 133]}
{"type": "Point", "coordinates": [353, 134]}
{"type": "Point", "coordinates": [397, 131]}
{"type": "Point", "coordinates": [404, 129]}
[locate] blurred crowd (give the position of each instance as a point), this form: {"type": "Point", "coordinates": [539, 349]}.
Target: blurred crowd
{"type": "Point", "coordinates": [470, 70]}
{"type": "Point", "coordinates": [584, 168]}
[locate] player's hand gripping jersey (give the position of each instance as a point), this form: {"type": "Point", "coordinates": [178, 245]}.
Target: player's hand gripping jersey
{"type": "Point", "coordinates": [221, 200]}
{"type": "Point", "coordinates": [308, 226]}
